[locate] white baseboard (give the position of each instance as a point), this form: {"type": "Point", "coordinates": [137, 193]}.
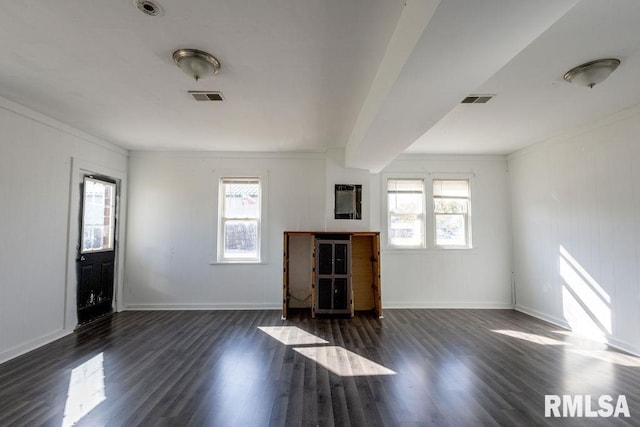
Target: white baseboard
{"type": "Point", "coordinates": [31, 345]}
{"type": "Point", "coordinates": [611, 341]}
{"type": "Point", "coordinates": [451, 305]}
{"type": "Point", "coordinates": [542, 316]}
{"type": "Point", "coordinates": [197, 306]}
{"type": "Point", "coordinates": [623, 346]}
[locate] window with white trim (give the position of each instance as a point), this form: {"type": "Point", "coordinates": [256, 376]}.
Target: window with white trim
{"type": "Point", "coordinates": [239, 227]}
{"type": "Point", "coordinates": [405, 213]}
{"type": "Point", "coordinates": [451, 206]}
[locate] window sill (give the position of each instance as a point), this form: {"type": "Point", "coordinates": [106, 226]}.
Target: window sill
{"type": "Point", "coordinates": [238, 262]}
{"type": "Point", "coordinates": [431, 250]}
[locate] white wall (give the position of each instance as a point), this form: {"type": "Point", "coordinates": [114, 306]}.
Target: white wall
{"type": "Point", "coordinates": [172, 228]}
{"type": "Point", "coordinates": [171, 225]}
{"type": "Point", "coordinates": [463, 278]}
{"type": "Point", "coordinates": [336, 173]}
{"type": "Point", "coordinates": [35, 174]}
{"type": "Point", "coordinates": [300, 271]}
{"type": "Point", "coordinates": [576, 230]}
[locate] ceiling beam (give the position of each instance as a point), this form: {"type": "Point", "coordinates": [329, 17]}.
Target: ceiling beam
{"type": "Point", "coordinates": [411, 24]}
{"type": "Point", "coordinates": [461, 45]}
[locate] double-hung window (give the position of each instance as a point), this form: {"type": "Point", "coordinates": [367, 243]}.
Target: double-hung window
{"type": "Point", "coordinates": [451, 203]}
{"type": "Point", "coordinates": [405, 213]}
{"type": "Point", "coordinates": [239, 228]}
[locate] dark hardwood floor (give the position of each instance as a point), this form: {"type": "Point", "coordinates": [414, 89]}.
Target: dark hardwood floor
{"type": "Point", "coordinates": [414, 367]}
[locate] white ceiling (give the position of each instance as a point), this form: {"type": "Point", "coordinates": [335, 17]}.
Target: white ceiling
{"type": "Point", "coordinates": [533, 102]}
{"type": "Point", "coordinates": [377, 77]}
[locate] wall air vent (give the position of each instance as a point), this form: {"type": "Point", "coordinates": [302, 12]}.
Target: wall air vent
{"type": "Point", "coordinates": [206, 96]}
{"type": "Point", "coordinates": [477, 99]}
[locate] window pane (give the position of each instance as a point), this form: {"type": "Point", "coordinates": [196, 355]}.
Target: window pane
{"type": "Point", "coordinates": [241, 199]}
{"type": "Point", "coordinates": [405, 185]}
{"type": "Point", "coordinates": [451, 188]}
{"type": "Point", "coordinates": [241, 239]}
{"type": "Point", "coordinates": [447, 206]}
{"type": "Point", "coordinates": [451, 200]}
{"type": "Point", "coordinates": [451, 230]}
{"type": "Point", "coordinates": [98, 215]}
{"type": "Point", "coordinates": [406, 202]}
{"type": "Point", "coordinates": [240, 213]}
{"type": "Point", "coordinates": [405, 230]}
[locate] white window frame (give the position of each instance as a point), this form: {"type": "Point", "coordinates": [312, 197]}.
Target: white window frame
{"type": "Point", "coordinates": [387, 213]}
{"type": "Point", "coordinates": [262, 233]}
{"type": "Point", "coordinates": [466, 216]}
{"type": "Point", "coordinates": [429, 226]}
{"type": "Point", "coordinates": [112, 214]}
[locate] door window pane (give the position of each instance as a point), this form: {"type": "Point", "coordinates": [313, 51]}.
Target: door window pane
{"type": "Point", "coordinates": [98, 215]}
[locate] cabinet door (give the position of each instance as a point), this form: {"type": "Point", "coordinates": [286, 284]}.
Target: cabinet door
{"type": "Point", "coordinates": [341, 258]}
{"type": "Point", "coordinates": [325, 258]}
{"type": "Point", "coordinates": [340, 294]}
{"type": "Point", "coordinates": [333, 276]}
{"type": "Point", "coordinates": [324, 294]}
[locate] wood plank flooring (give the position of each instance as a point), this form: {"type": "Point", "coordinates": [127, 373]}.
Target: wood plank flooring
{"type": "Point", "coordinates": [217, 368]}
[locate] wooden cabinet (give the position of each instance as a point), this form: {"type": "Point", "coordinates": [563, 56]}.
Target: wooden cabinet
{"type": "Point", "coordinates": [333, 276]}
{"type": "Point", "coordinates": [331, 273]}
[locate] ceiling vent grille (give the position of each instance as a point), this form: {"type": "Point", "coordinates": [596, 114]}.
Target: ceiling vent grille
{"type": "Point", "coordinates": [477, 99]}
{"type": "Point", "coordinates": [206, 96]}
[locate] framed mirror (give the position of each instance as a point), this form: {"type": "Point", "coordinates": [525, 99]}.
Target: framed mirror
{"type": "Point", "coordinates": [348, 201]}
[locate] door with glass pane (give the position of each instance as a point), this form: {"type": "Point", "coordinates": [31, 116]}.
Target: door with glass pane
{"type": "Point", "coordinates": [97, 248]}
{"type": "Point", "coordinates": [333, 274]}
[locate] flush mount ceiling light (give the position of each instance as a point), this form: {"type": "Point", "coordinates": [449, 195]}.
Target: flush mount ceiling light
{"type": "Point", "coordinates": [592, 73]}
{"type": "Point", "coordinates": [148, 7]}
{"type": "Point", "coordinates": [196, 63]}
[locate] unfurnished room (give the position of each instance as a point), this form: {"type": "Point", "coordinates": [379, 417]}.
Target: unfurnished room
{"type": "Point", "coordinates": [319, 213]}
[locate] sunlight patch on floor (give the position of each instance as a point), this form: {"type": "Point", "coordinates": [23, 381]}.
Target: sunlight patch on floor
{"type": "Point", "coordinates": [610, 356]}
{"type": "Point", "coordinates": [343, 362]}
{"type": "Point", "coordinates": [577, 341]}
{"type": "Point", "coordinates": [292, 335]}
{"type": "Point", "coordinates": [336, 359]}
{"type": "Point", "coordinates": [581, 339]}
{"type": "Point", "coordinates": [534, 338]}
{"type": "Point", "coordinates": [86, 390]}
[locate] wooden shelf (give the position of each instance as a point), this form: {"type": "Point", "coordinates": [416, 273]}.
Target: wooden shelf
{"type": "Point", "coordinates": [299, 263]}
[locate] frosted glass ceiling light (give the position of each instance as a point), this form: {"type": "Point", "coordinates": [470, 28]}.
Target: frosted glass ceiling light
{"type": "Point", "coordinates": [196, 63]}
{"type": "Point", "coordinates": [592, 73]}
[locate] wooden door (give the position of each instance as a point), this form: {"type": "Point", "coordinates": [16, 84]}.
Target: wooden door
{"type": "Point", "coordinates": [97, 248]}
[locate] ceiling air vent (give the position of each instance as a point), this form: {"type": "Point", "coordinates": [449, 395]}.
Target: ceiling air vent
{"type": "Point", "coordinates": [477, 99]}
{"type": "Point", "coordinates": [206, 96]}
